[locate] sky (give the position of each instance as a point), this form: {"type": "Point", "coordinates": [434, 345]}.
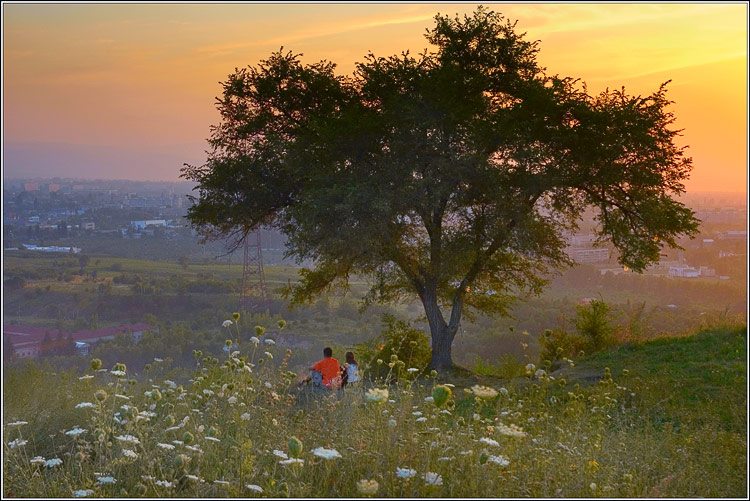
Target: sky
{"type": "Point", "coordinates": [127, 91]}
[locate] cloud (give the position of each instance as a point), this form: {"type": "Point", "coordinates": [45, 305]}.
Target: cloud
{"type": "Point", "coordinates": [337, 29]}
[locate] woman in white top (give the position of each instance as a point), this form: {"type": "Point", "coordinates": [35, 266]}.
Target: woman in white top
{"type": "Point", "coordinates": [350, 370]}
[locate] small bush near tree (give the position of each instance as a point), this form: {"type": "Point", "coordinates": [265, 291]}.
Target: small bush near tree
{"type": "Point", "coordinates": [408, 345]}
{"type": "Point", "coordinates": [594, 322]}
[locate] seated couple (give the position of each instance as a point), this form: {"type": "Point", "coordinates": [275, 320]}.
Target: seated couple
{"type": "Point", "coordinates": [330, 374]}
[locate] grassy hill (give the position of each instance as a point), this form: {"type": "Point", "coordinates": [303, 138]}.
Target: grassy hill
{"type": "Point", "coordinates": [662, 418]}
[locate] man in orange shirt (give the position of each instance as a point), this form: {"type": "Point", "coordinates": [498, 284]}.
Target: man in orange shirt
{"type": "Point", "coordinates": [330, 370]}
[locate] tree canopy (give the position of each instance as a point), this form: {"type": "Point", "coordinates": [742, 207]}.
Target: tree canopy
{"type": "Point", "coordinates": [451, 175]}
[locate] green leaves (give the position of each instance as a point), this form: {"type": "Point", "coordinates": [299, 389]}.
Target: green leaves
{"type": "Point", "coordinates": [450, 174]}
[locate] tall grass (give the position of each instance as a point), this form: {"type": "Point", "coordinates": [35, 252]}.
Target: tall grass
{"type": "Point", "coordinates": [234, 429]}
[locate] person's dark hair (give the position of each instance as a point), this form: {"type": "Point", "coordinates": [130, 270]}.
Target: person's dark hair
{"type": "Point", "coordinates": [350, 358]}
{"type": "Point", "coordinates": [327, 352]}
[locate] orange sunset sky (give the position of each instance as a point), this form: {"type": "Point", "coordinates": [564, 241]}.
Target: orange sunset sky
{"type": "Point", "coordinates": [127, 91]}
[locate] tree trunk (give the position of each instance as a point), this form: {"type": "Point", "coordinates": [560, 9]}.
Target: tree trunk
{"type": "Point", "coordinates": [442, 333]}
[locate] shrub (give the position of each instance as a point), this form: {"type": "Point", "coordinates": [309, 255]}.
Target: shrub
{"type": "Point", "coordinates": [408, 345]}
{"type": "Point", "coordinates": [594, 323]}
{"type": "Point", "coordinates": [559, 344]}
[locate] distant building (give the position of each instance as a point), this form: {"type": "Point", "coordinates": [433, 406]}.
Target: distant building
{"type": "Point", "coordinates": [733, 235]}
{"type": "Point", "coordinates": [723, 254]}
{"type": "Point", "coordinates": [53, 248]}
{"type": "Point", "coordinates": [683, 271]}
{"type": "Point", "coordinates": [140, 225]}
{"type": "Point", "coordinates": [30, 186]}
{"type": "Point", "coordinates": [588, 255]}
{"type": "Point", "coordinates": [88, 225]}
{"type": "Point", "coordinates": [705, 271]}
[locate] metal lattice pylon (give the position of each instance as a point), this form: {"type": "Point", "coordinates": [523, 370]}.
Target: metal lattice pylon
{"type": "Point", "coordinates": [254, 292]}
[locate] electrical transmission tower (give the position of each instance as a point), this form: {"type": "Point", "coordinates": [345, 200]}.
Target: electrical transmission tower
{"type": "Point", "coordinates": [254, 293]}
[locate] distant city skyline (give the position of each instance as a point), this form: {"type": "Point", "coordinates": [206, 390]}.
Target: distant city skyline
{"type": "Point", "coordinates": [126, 91]}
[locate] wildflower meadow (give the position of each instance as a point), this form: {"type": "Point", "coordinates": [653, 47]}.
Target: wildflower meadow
{"type": "Point", "coordinates": [241, 427]}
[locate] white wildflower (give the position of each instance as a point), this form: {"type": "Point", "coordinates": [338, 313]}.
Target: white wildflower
{"type": "Point", "coordinates": [232, 400]}
{"type": "Point", "coordinates": [540, 373]}
{"type": "Point", "coordinates": [50, 463]}
{"type": "Point", "coordinates": [17, 423]}
{"type": "Point", "coordinates": [17, 443]}
{"type": "Point", "coordinates": [246, 416]}
{"type": "Point", "coordinates": [129, 454]}
{"type": "Point", "coordinates": [483, 392]}
{"type": "Point", "coordinates": [194, 478]}
{"type": "Point", "coordinates": [429, 399]}
{"type": "Point", "coordinates": [178, 442]}
{"type": "Point", "coordinates": [194, 448]}
{"type": "Point", "coordinates": [280, 454]}
{"type": "Point", "coordinates": [221, 482]}
{"type": "Point", "coordinates": [412, 369]}
{"type": "Point", "coordinates": [376, 395]}
{"type": "Point", "coordinates": [256, 488]}
{"type": "Point", "coordinates": [416, 413]}
{"type": "Point", "coordinates": [421, 420]}
{"type": "Point", "coordinates": [530, 368]}
{"type": "Point", "coordinates": [37, 460]}
{"type": "Point", "coordinates": [498, 460]}
{"type": "Point", "coordinates": [511, 431]}
{"type": "Point", "coordinates": [368, 487]}
{"type": "Point", "coordinates": [82, 493]}
{"type": "Point", "coordinates": [255, 340]}
{"type": "Point", "coordinates": [267, 385]}
{"type": "Point", "coordinates": [287, 462]}
{"type": "Point", "coordinates": [391, 422]}
{"type": "Point", "coordinates": [157, 359]}
{"type": "Point", "coordinates": [213, 439]}
{"type": "Point", "coordinates": [106, 480]}
{"type": "Point", "coordinates": [75, 431]}
{"type": "Point", "coordinates": [431, 478]}
{"type": "Point", "coordinates": [169, 447]}
{"type": "Point", "coordinates": [405, 472]}
{"type": "Point", "coordinates": [118, 373]}
{"type": "Point", "coordinates": [124, 397]}
{"type": "Point", "coordinates": [227, 323]}
{"type": "Point", "coordinates": [87, 376]}
{"type": "Point", "coordinates": [83, 405]}
{"type": "Point", "coordinates": [269, 341]}
{"type": "Point", "coordinates": [326, 453]}
{"type": "Point", "coordinates": [489, 441]}
{"type": "Point", "coordinates": [164, 483]}
{"type": "Point", "coordinates": [208, 392]}
{"type": "Point", "coordinates": [128, 438]}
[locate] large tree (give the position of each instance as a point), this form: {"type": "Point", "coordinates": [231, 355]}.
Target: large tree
{"type": "Point", "coordinates": [451, 175]}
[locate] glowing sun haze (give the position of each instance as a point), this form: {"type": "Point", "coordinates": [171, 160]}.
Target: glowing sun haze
{"type": "Point", "coordinates": [127, 91]}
